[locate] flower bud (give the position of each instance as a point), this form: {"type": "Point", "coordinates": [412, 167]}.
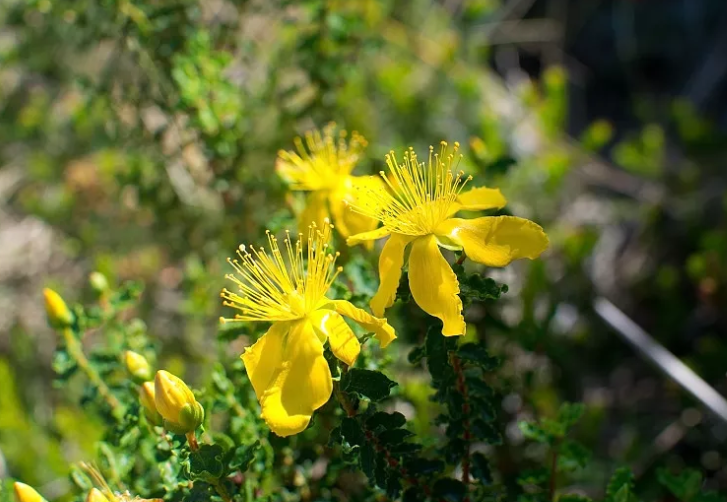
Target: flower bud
{"type": "Point", "coordinates": [59, 315]}
{"type": "Point", "coordinates": [98, 282]}
{"type": "Point", "coordinates": [146, 398]}
{"type": "Point", "coordinates": [176, 404]}
{"type": "Point", "coordinates": [95, 495]}
{"type": "Point", "coordinates": [137, 366]}
{"type": "Point", "coordinates": [24, 493]}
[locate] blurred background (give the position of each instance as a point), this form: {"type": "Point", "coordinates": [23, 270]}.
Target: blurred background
{"type": "Point", "coordinates": [138, 139]}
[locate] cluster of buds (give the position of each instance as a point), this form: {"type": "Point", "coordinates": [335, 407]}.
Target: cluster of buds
{"type": "Point", "coordinates": [169, 402]}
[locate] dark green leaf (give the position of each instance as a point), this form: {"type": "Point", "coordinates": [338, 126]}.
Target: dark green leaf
{"type": "Point", "coordinates": [373, 385]}
{"type": "Point", "coordinates": [622, 477]}
{"type": "Point", "coordinates": [352, 432]}
{"type": "Point", "coordinates": [450, 490]}
{"type": "Point", "coordinates": [476, 353]}
{"type": "Point", "coordinates": [206, 463]}
{"type": "Point", "coordinates": [570, 413]}
{"type": "Point", "coordinates": [416, 354]}
{"type": "Point", "coordinates": [572, 455]}
{"type": "Point", "coordinates": [394, 436]}
{"type": "Point", "coordinates": [534, 432]}
{"type": "Point", "coordinates": [244, 456]}
{"type": "Point", "coordinates": [368, 459]}
{"type": "Point", "coordinates": [481, 468]}
{"type": "Point", "coordinates": [423, 466]}
{"type": "Point", "coordinates": [685, 485]}
{"type": "Point", "coordinates": [385, 420]}
{"type": "Point", "coordinates": [534, 477]}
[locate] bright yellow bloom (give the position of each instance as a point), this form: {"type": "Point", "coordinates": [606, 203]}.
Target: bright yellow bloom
{"type": "Point", "coordinates": [418, 209]}
{"type": "Point", "coordinates": [175, 402]}
{"type": "Point", "coordinates": [25, 493]}
{"type": "Point", "coordinates": [286, 366]}
{"type": "Point", "coordinates": [322, 167]}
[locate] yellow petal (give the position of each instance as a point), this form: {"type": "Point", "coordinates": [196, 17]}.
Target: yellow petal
{"type": "Point", "coordinates": [301, 385]}
{"type": "Point", "coordinates": [434, 286]}
{"type": "Point", "coordinates": [390, 262]}
{"type": "Point", "coordinates": [95, 495]}
{"type": "Point", "coordinates": [348, 194]}
{"type": "Point", "coordinates": [481, 198]}
{"type": "Point", "coordinates": [496, 240]}
{"type": "Point", "coordinates": [315, 210]}
{"type": "Point", "coordinates": [341, 338]}
{"type": "Point", "coordinates": [264, 358]}
{"type": "Point", "coordinates": [25, 493]}
{"type": "Point", "coordinates": [373, 235]}
{"type": "Point", "coordinates": [379, 327]}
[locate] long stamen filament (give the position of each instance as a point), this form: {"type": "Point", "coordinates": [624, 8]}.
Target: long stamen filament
{"type": "Point", "coordinates": [269, 288]}
{"type": "Point", "coordinates": [419, 194]}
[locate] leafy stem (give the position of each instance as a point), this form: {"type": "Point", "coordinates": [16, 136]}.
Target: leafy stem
{"type": "Point", "coordinates": [553, 470]}
{"type": "Point", "coordinates": [75, 351]}
{"type": "Point", "coordinates": [466, 435]}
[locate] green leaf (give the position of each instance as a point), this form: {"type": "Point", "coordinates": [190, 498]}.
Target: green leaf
{"type": "Point", "coordinates": [449, 490]}
{"type": "Point", "coordinates": [478, 287]}
{"type": "Point", "coordinates": [423, 466]}
{"type": "Point", "coordinates": [384, 420]}
{"type": "Point", "coordinates": [438, 348]}
{"type": "Point", "coordinates": [373, 385]}
{"type": "Point", "coordinates": [622, 477]}
{"type": "Point", "coordinates": [352, 432]}
{"type": "Point", "coordinates": [685, 485]}
{"type": "Point", "coordinates": [206, 463]}
{"type": "Point", "coordinates": [485, 431]}
{"type": "Point", "coordinates": [480, 468]}
{"type": "Point", "coordinates": [394, 436]}
{"type": "Point", "coordinates": [368, 459]}
{"type": "Point", "coordinates": [476, 353]}
{"type": "Point", "coordinates": [534, 477]}
{"type": "Point", "coordinates": [244, 456]}
{"type": "Point", "coordinates": [416, 355]}
{"type": "Point", "coordinates": [570, 413]}
{"type": "Point", "coordinates": [534, 432]}
{"type": "Point", "coordinates": [572, 455]}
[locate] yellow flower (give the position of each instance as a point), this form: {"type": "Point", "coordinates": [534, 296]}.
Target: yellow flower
{"type": "Point", "coordinates": [286, 366]}
{"type": "Point", "coordinates": [25, 493]}
{"type": "Point", "coordinates": [322, 167]}
{"type": "Point", "coordinates": [59, 315]}
{"type": "Point", "coordinates": [418, 209]}
{"type": "Point", "coordinates": [176, 404]}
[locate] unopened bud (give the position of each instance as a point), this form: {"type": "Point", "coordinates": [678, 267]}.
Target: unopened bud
{"type": "Point", "coordinates": [137, 366]}
{"type": "Point", "coordinates": [95, 495]}
{"type": "Point", "coordinates": [98, 282]}
{"type": "Point", "coordinates": [146, 399]}
{"type": "Point", "coordinates": [176, 404]}
{"type": "Point", "coordinates": [24, 493]}
{"type": "Point", "coordinates": [59, 315]}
